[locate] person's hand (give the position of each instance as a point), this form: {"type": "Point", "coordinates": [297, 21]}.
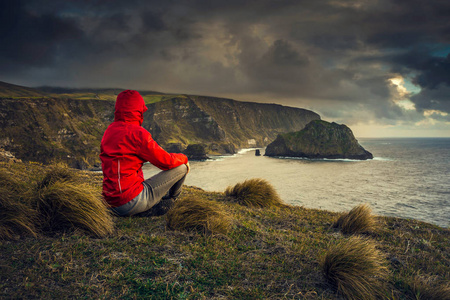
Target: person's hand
{"type": "Point", "coordinates": [188, 167]}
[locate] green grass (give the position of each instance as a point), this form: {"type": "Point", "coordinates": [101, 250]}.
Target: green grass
{"type": "Point", "coordinates": [148, 98]}
{"type": "Point", "coordinates": [160, 97]}
{"type": "Point", "coordinates": [85, 96]}
{"type": "Point", "coordinates": [268, 253]}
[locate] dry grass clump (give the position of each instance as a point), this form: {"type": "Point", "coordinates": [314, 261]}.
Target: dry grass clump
{"type": "Point", "coordinates": [57, 173]}
{"type": "Point", "coordinates": [192, 214]}
{"type": "Point", "coordinates": [60, 200]}
{"type": "Point", "coordinates": [426, 289]}
{"type": "Point", "coordinates": [254, 193]}
{"type": "Point", "coordinates": [355, 268]}
{"type": "Point", "coordinates": [357, 220]}
{"type": "Point", "coordinates": [65, 204]}
{"type": "Point", "coordinates": [16, 216]}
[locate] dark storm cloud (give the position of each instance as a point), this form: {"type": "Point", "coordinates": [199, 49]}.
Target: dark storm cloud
{"type": "Point", "coordinates": [433, 99]}
{"type": "Point", "coordinates": [434, 72]}
{"type": "Point", "coordinates": [152, 22]}
{"type": "Point", "coordinates": [323, 54]}
{"type": "Point", "coordinates": [431, 74]}
{"type": "Point", "coordinates": [30, 40]}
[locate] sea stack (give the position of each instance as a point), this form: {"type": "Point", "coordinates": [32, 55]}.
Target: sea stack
{"type": "Point", "coordinates": [319, 139]}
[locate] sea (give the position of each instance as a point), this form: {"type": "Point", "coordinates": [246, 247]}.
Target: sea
{"type": "Point", "coordinates": [408, 178]}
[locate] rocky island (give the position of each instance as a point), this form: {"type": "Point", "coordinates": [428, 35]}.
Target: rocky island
{"type": "Point", "coordinates": [319, 139]}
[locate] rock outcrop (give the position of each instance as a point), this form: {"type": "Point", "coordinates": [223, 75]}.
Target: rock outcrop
{"type": "Point", "coordinates": [319, 139]}
{"type": "Point", "coordinates": [196, 152]}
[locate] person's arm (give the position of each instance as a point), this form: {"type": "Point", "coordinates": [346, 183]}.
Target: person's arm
{"type": "Point", "coordinates": [157, 156]}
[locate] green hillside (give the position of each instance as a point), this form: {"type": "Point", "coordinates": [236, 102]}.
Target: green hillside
{"type": "Point", "coordinates": [100, 94]}
{"type": "Point", "coordinates": [8, 90]}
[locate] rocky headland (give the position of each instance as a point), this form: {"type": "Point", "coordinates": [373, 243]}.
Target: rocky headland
{"type": "Point", "coordinates": [223, 125]}
{"type": "Point", "coordinates": [319, 139]}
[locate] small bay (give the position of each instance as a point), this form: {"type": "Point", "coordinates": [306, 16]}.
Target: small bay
{"type": "Point", "coordinates": [408, 178]}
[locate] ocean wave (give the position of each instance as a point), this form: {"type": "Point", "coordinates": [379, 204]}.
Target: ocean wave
{"type": "Point", "coordinates": [224, 156]}
{"type": "Point", "coordinates": [217, 157]}
{"type": "Point", "coordinates": [405, 205]}
{"type": "Point", "coordinates": [382, 159]}
{"type": "Point", "coordinates": [245, 150]}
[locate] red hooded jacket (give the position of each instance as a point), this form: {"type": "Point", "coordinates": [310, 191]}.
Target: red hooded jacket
{"type": "Point", "coordinates": [126, 146]}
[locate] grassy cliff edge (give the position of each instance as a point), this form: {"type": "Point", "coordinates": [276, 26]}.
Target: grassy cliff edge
{"type": "Point", "coordinates": [269, 253]}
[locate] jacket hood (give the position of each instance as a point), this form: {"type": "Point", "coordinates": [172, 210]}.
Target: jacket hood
{"type": "Point", "coordinates": [130, 107]}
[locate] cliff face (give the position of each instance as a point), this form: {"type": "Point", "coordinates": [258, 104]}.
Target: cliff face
{"type": "Point", "coordinates": [180, 121]}
{"type": "Point", "coordinates": [222, 124]}
{"type": "Point", "coordinates": [46, 129]}
{"type": "Point", "coordinates": [319, 139]}
{"type": "Point", "coordinates": [54, 130]}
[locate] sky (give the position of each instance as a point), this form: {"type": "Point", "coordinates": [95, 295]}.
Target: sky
{"type": "Point", "coordinates": [382, 67]}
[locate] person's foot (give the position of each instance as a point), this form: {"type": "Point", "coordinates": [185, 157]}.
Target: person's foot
{"type": "Point", "coordinates": [159, 209]}
{"type": "Point", "coordinates": [164, 205]}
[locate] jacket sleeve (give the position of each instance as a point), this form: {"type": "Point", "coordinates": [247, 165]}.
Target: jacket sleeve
{"type": "Point", "coordinates": [157, 156]}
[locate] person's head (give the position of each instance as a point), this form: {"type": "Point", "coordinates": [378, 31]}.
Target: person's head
{"type": "Point", "coordinates": [130, 107]}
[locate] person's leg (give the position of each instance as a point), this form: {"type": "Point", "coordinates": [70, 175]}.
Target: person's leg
{"type": "Point", "coordinates": [159, 192]}
{"type": "Point", "coordinates": [167, 183]}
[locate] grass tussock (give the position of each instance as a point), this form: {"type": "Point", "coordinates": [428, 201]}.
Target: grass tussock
{"type": "Point", "coordinates": [57, 200]}
{"type": "Point", "coordinates": [427, 289]}
{"type": "Point", "coordinates": [65, 204]}
{"type": "Point", "coordinates": [57, 173]}
{"type": "Point", "coordinates": [355, 268]}
{"type": "Point", "coordinates": [357, 220]}
{"type": "Point", "coordinates": [254, 193]}
{"type": "Point", "coordinates": [16, 216]}
{"type": "Point", "coordinates": [192, 214]}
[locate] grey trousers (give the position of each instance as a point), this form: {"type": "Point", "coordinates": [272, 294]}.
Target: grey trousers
{"type": "Point", "coordinates": [164, 187]}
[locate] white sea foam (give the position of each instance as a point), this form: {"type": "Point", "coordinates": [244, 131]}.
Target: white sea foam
{"type": "Point", "coordinates": [382, 159]}
{"type": "Point", "coordinates": [245, 150]}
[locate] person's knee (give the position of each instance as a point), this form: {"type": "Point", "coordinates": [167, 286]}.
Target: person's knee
{"type": "Point", "coordinates": [184, 168]}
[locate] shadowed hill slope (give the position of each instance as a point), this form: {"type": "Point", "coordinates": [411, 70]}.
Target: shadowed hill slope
{"type": "Point", "coordinates": [15, 91]}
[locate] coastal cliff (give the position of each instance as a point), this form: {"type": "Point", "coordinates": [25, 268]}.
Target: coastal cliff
{"type": "Point", "coordinates": [224, 125]}
{"type": "Point", "coordinates": [319, 139]}
{"type": "Point", "coordinates": [49, 130]}
{"type": "Point", "coordinates": [48, 127]}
